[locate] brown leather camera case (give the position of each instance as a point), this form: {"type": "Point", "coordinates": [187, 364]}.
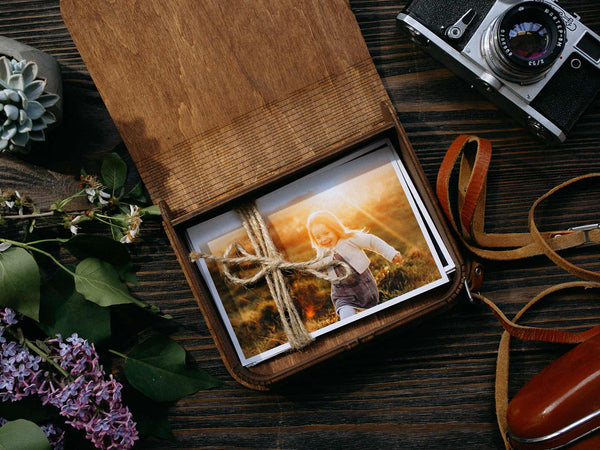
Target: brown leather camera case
{"type": "Point", "coordinates": [560, 406]}
{"type": "Point", "coordinates": [219, 101]}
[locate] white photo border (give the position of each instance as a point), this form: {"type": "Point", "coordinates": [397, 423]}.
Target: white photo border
{"type": "Point", "coordinates": [196, 235]}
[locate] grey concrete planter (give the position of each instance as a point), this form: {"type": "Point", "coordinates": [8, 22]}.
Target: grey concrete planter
{"type": "Point", "coordinates": [48, 69]}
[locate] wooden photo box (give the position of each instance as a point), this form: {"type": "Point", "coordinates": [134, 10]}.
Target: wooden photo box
{"type": "Point", "coordinates": [219, 102]}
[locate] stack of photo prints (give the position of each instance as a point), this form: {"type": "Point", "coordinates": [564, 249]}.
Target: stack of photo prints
{"type": "Point", "coordinates": [362, 209]}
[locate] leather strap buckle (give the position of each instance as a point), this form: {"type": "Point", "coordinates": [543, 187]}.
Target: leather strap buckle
{"type": "Point", "coordinates": [586, 232]}
{"type": "Point", "coordinates": [468, 291]}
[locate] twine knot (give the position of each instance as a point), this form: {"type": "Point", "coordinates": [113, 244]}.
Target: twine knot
{"type": "Point", "coordinates": [271, 264]}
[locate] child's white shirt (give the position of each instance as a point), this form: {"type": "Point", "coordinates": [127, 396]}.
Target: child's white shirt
{"type": "Point", "coordinates": [351, 249]}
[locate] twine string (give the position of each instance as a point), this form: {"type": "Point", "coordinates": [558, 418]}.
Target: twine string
{"type": "Point", "coordinates": [315, 267]}
{"type": "Point", "coordinates": [271, 265]}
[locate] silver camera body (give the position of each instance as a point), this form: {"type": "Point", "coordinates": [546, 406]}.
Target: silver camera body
{"type": "Point", "coordinates": [532, 58]}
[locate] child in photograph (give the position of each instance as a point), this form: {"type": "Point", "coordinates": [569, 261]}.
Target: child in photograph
{"type": "Point", "coordinates": [359, 290]}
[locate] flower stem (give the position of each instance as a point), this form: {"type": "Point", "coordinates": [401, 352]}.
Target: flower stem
{"type": "Point", "coordinates": [28, 216]}
{"type": "Point", "coordinates": [29, 247]}
{"type": "Point", "coordinates": [39, 351]}
{"type": "Point", "coordinates": [43, 241]}
{"type": "Point", "coordinates": [114, 352]}
{"type": "Point", "coordinates": [99, 217]}
{"type": "Point", "coordinates": [60, 205]}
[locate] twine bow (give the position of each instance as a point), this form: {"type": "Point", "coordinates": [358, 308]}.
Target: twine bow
{"type": "Point", "coordinates": [271, 266]}
{"type": "Point", "coordinates": [268, 265]}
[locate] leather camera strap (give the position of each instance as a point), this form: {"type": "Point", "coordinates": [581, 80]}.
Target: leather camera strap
{"type": "Point", "coordinates": [475, 156]}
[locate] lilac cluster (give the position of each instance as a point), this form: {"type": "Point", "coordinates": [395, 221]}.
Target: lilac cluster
{"type": "Point", "coordinates": [85, 396]}
{"type": "Point", "coordinates": [20, 369]}
{"type": "Point", "coordinates": [89, 401]}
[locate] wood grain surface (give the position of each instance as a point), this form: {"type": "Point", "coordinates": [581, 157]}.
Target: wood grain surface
{"type": "Point", "coordinates": [429, 388]}
{"type": "Point", "coordinates": [240, 93]}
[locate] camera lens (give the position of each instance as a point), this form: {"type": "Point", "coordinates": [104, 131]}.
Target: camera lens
{"type": "Point", "coordinates": [529, 40]}
{"type": "Point", "coordinates": [522, 44]}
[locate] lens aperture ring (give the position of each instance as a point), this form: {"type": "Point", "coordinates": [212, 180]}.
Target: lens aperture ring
{"type": "Point", "coordinates": [522, 44]}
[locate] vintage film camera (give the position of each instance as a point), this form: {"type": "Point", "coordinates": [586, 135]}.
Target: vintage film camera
{"type": "Point", "coordinates": [532, 58]}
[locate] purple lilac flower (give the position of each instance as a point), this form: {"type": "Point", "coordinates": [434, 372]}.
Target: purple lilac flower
{"type": "Point", "coordinates": [19, 372]}
{"type": "Point", "coordinates": [55, 436]}
{"type": "Point", "coordinates": [19, 369]}
{"type": "Point", "coordinates": [89, 399]}
{"type": "Point", "coordinates": [9, 317]}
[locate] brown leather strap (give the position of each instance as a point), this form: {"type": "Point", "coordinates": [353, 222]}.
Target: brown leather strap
{"type": "Point", "coordinates": [588, 235]}
{"type": "Point", "coordinates": [542, 334]}
{"type": "Point", "coordinates": [472, 179]}
{"type": "Point", "coordinates": [476, 156]}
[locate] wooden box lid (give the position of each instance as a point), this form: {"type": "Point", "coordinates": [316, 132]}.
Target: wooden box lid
{"type": "Point", "coordinates": [216, 97]}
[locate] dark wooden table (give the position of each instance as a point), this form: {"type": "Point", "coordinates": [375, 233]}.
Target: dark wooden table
{"type": "Point", "coordinates": [432, 387]}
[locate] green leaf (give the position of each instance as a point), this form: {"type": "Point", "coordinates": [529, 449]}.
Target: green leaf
{"type": "Point", "coordinates": [98, 282]}
{"type": "Point", "coordinates": [20, 282]}
{"type": "Point", "coordinates": [137, 193]}
{"type": "Point", "coordinates": [156, 368]}
{"type": "Point", "coordinates": [86, 245]}
{"type": "Point", "coordinates": [126, 273]}
{"type": "Point", "coordinates": [64, 311]}
{"type": "Point", "coordinates": [23, 435]}
{"type": "Point", "coordinates": [153, 210]}
{"type": "Point", "coordinates": [117, 234]}
{"type": "Point", "coordinates": [114, 172]}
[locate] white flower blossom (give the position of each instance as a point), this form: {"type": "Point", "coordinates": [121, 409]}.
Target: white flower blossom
{"type": "Point", "coordinates": [134, 221]}
{"type": "Point", "coordinates": [94, 190]}
{"type": "Point", "coordinates": [73, 225]}
{"type": "Point", "coordinates": [97, 194]}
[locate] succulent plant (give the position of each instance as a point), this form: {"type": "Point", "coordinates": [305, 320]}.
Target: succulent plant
{"type": "Point", "coordinates": [23, 105]}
